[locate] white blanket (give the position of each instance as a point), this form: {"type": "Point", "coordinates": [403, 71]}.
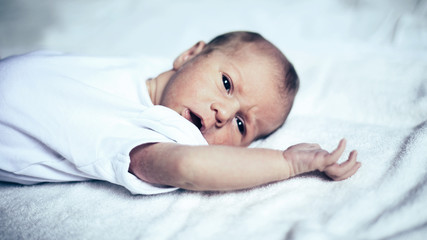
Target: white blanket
{"type": "Point", "coordinates": [363, 70]}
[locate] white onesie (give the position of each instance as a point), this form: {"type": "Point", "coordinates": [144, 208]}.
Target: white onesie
{"type": "Point", "coordinates": [72, 118]}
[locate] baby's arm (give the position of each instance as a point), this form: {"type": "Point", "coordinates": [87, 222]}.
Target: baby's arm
{"type": "Point", "coordinates": [231, 168]}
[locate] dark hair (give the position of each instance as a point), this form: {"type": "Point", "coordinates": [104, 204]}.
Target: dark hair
{"type": "Point", "coordinates": [288, 78]}
{"type": "Point", "coordinates": [234, 40]}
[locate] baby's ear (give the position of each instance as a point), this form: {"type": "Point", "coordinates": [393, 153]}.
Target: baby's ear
{"type": "Point", "coordinates": [189, 54]}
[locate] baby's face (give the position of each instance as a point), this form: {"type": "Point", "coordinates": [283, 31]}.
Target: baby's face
{"type": "Point", "coordinates": [232, 100]}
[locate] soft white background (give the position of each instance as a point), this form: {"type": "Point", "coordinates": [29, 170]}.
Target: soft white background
{"type": "Point", "coordinates": [132, 27]}
{"type": "Point", "coordinates": [363, 70]}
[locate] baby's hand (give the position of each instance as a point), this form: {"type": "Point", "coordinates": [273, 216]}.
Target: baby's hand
{"type": "Point", "coordinates": [306, 157]}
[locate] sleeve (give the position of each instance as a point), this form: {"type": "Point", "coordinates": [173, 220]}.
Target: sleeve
{"type": "Point", "coordinates": [154, 124]}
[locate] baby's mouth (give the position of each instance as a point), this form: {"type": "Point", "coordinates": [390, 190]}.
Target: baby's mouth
{"type": "Point", "coordinates": [193, 118]}
{"type": "Point", "coordinates": [196, 120]}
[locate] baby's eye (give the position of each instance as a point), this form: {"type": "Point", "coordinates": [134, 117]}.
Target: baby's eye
{"type": "Point", "coordinates": [227, 83]}
{"type": "Point", "coordinates": [240, 125]}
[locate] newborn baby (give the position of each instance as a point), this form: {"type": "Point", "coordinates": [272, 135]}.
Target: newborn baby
{"type": "Point", "coordinates": [72, 118]}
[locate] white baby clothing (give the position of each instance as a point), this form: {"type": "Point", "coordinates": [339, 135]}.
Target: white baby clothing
{"type": "Point", "coordinates": [75, 118]}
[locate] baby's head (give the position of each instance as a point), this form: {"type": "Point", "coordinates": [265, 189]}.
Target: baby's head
{"type": "Point", "coordinates": [237, 88]}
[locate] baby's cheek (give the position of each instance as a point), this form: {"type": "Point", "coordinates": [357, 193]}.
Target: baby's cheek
{"type": "Point", "coordinates": [219, 138]}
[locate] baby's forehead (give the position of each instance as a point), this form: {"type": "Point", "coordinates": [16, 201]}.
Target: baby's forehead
{"type": "Point", "coordinates": [269, 56]}
{"type": "Point", "coordinates": [266, 65]}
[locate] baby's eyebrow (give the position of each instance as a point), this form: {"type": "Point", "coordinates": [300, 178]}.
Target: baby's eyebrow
{"type": "Point", "coordinates": [237, 71]}
{"type": "Point", "coordinates": [254, 123]}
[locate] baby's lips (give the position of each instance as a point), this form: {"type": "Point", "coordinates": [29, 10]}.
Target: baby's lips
{"type": "Point", "coordinates": [186, 114]}
{"type": "Point", "coordinates": [193, 118]}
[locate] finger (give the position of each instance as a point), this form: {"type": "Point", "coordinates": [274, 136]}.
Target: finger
{"type": "Point", "coordinates": [336, 154]}
{"type": "Point", "coordinates": [335, 171]}
{"type": "Point", "coordinates": [350, 173]}
{"type": "Point", "coordinates": [350, 161]}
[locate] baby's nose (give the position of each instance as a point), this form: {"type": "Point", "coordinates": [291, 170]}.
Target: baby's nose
{"type": "Point", "coordinates": [225, 112]}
